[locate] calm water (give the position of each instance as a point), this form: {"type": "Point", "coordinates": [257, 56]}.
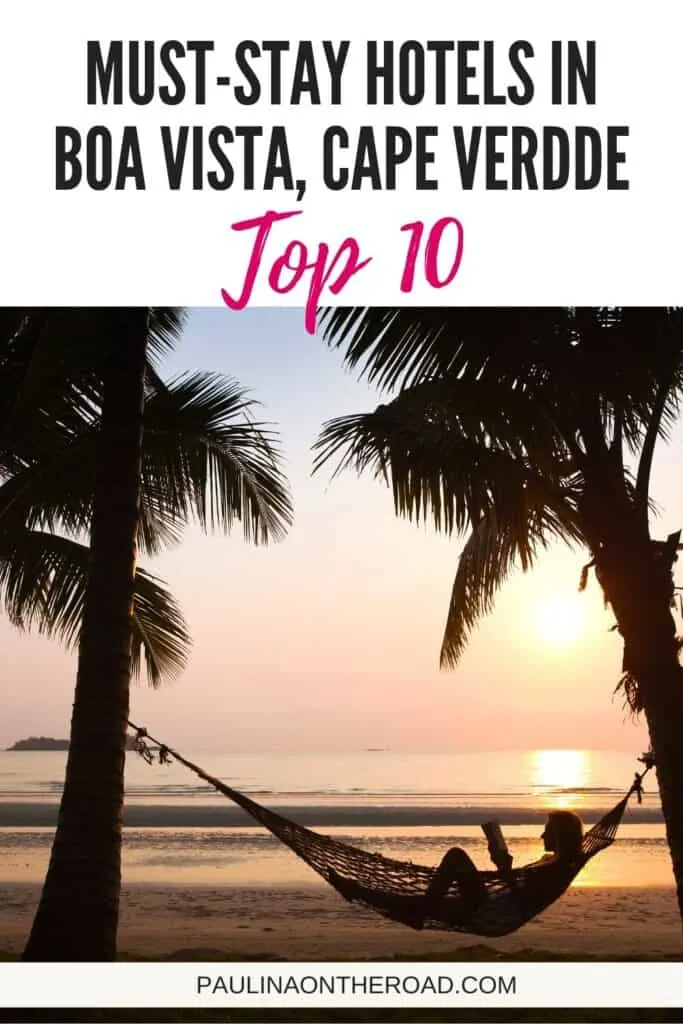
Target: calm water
{"type": "Point", "coordinates": [378, 800]}
{"type": "Point", "coordinates": [510, 777]}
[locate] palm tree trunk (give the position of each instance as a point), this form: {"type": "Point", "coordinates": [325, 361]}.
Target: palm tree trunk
{"type": "Point", "coordinates": [663, 700]}
{"type": "Point", "coordinates": [652, 665]}
{"type": "Point", "coordinates": [637, 580]}
{"type": "Point", "coordinates": [77, 918]}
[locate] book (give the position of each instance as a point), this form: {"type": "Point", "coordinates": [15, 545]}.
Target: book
{"type": "Point", "coordinates": [500, 855]}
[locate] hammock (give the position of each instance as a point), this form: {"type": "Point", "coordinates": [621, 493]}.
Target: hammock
{"type": "Point", "coordinates": [396, 889]}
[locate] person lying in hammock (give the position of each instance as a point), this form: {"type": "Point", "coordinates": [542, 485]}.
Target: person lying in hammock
{"type": "Point", "coordinates": [561, 837]}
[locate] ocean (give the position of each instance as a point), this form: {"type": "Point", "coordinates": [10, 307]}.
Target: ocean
{"type": "Point", "coordinates": [413, 806]}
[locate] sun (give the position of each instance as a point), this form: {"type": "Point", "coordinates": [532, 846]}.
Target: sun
{"type": "Point", "coordinates": [559, 768]}
{"type": "Point", "coordinates": [561, 773]}
{"type": "Point", "coordinates": [561, 620]}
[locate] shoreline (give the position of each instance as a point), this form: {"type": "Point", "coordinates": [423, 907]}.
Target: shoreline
{"type": "Point", "coordinates": [313, 923]}
{"type": "Point", "coordinates": [43, 814]}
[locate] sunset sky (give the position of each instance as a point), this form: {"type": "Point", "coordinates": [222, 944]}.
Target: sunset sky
{"type": "Point", "coordinates": [329, 640]}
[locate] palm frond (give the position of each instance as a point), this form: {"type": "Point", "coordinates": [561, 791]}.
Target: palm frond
{"type": "Point", "coordinates": [206, 458]}
{"type": "Point", "coordinates": [395, 348]}
{"type": "Point", "coordinates": [54, 492]}
{"type": "Point", "coordinates": [492, 550]}
{"type": "Point", "coordinates": [484, 565]}
{"type": "Point", "coordinates": [43, 584]}
{"type": "Point", "coordinates": [51, 364]}
{"type": "Point", "coordinates": [449, 468]}
{"type": "Point", "coordinates": [166, 324]}
{"type": "Point", "coordinates": [48, 379]}
{"type": "Point", "coordinates": [160, 635]}
{"type": "Point", "coordinates": [602, 358]}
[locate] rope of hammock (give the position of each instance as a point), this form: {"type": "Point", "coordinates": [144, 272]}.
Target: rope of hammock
{"type": "Point", "coordinates": [396, 889]}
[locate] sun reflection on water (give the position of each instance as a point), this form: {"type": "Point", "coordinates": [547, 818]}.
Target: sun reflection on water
{"type": "Point", "coordinates": [561, 776]}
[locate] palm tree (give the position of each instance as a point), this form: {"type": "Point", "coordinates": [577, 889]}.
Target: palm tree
{"type": "Point", "coordinates": [195, 427]}
{"type": "Point", "coordinates": [88, 455]}
{"type": "Point", "coordinates": [521, 427]}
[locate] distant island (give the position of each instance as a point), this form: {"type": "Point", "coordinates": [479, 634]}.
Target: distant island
{"type": "Point", "coordinates": [50, 743]}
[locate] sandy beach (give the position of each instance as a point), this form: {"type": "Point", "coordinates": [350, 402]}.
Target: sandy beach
{"type": "Point", "coordinates": [203, 881]}
{"type": "Point", "coordinates": [312, 923]}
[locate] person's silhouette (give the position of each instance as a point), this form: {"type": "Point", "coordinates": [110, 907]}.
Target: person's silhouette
{"type": "Point", "coordinates": [561, 837]}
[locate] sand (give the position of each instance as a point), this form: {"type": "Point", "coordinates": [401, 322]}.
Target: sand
{"type": "Point", "coordinates": [313, 923]}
